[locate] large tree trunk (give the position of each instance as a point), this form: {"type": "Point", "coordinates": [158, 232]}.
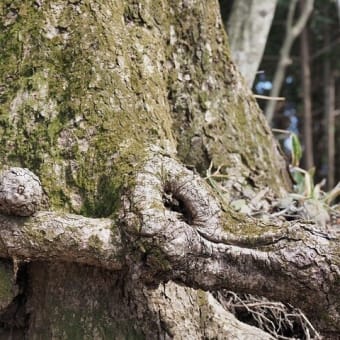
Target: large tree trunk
{"type": "Point", "coordinates": [120, 107]}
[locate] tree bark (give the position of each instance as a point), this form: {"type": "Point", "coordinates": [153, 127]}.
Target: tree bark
{"type": "Point", "coordinates": [120, 108]}
{"type": "Point", "coordinates": [248, 28]}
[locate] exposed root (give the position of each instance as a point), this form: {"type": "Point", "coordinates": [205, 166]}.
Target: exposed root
{"type": "Point", "coordinates": [280, 320]}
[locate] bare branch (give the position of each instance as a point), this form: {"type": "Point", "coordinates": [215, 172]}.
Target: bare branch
{"type": "Point", "coordinates": [292, 32]}
{"type": "Point", "coordinates": [258, 96]}
{"type": "Point", "coordinates": [305, 13]}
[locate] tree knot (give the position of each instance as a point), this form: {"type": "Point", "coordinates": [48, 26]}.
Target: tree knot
{"type": "Point", "coordinates": [20, 192]}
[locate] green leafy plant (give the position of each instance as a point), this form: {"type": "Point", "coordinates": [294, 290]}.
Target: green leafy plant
{"type": "Point", "coordinates": [314, 202]}
{"type": "Point", "coordinates": [307, 200]}
{"type": "Point", "coordinates": [304, 182]}
{"type": "Point", "coordinates": [212, 177]}
{"type": "Point", "coordinates": [296, 150]}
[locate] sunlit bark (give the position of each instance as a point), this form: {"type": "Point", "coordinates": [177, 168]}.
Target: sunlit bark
{"type": "Point", "coordinates": [248, 28]}
{"type": "Point", "coordinates": [120, 108]}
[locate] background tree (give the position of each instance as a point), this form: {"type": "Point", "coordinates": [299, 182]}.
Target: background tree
{"type": "Point", "coordinates": [293, 29]}
{"type": "Point", "coordinates": [121, 108]}
{"type": "Point", "coordinates": [307, 91]}
{"type": "Point", "coordinates": [248, 26]}
{"type": "Point", "coordinates": [319, 145]}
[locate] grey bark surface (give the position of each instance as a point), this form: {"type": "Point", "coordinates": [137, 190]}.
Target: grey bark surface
{"type": "Point", "coordinates": [51, 236]}
{"type": "Point", "coordinates": [248, 28]}
{"type": "Point", "coordinates": [20, 192]}
{"type": "Point", "coordinates": [120, 108]}
{"type": "Point", "coordinates": [202, 245]}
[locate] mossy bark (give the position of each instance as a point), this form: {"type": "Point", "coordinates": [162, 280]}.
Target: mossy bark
{"type": "Point", "coordinates": [90, 92]}
{"type": "Point", "coordinates": [86, 87]}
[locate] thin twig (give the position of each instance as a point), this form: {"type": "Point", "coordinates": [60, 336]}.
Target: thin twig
{"type": "Point", "coordinates": [259, 96]}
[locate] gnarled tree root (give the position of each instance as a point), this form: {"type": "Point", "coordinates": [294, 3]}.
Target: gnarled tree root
{"type": "Point", "coordinates": [172, 227]}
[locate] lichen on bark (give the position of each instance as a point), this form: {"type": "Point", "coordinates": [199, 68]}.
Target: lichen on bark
{"type": "Point", "coordinates": [89, 97]}
{"type": "Point", "coordinates": [104, 101]}
{"type": "Point", "coordinates": [212, 108]}
{"type": "Point", "coordinates": [73, 95]}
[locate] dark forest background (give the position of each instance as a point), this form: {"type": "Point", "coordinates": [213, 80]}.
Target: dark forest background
{"type": "Point", "coordinates": [321, 42]}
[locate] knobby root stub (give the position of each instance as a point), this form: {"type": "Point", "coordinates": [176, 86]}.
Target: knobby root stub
{"type": "Point", "coordinates": [20, 192]}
